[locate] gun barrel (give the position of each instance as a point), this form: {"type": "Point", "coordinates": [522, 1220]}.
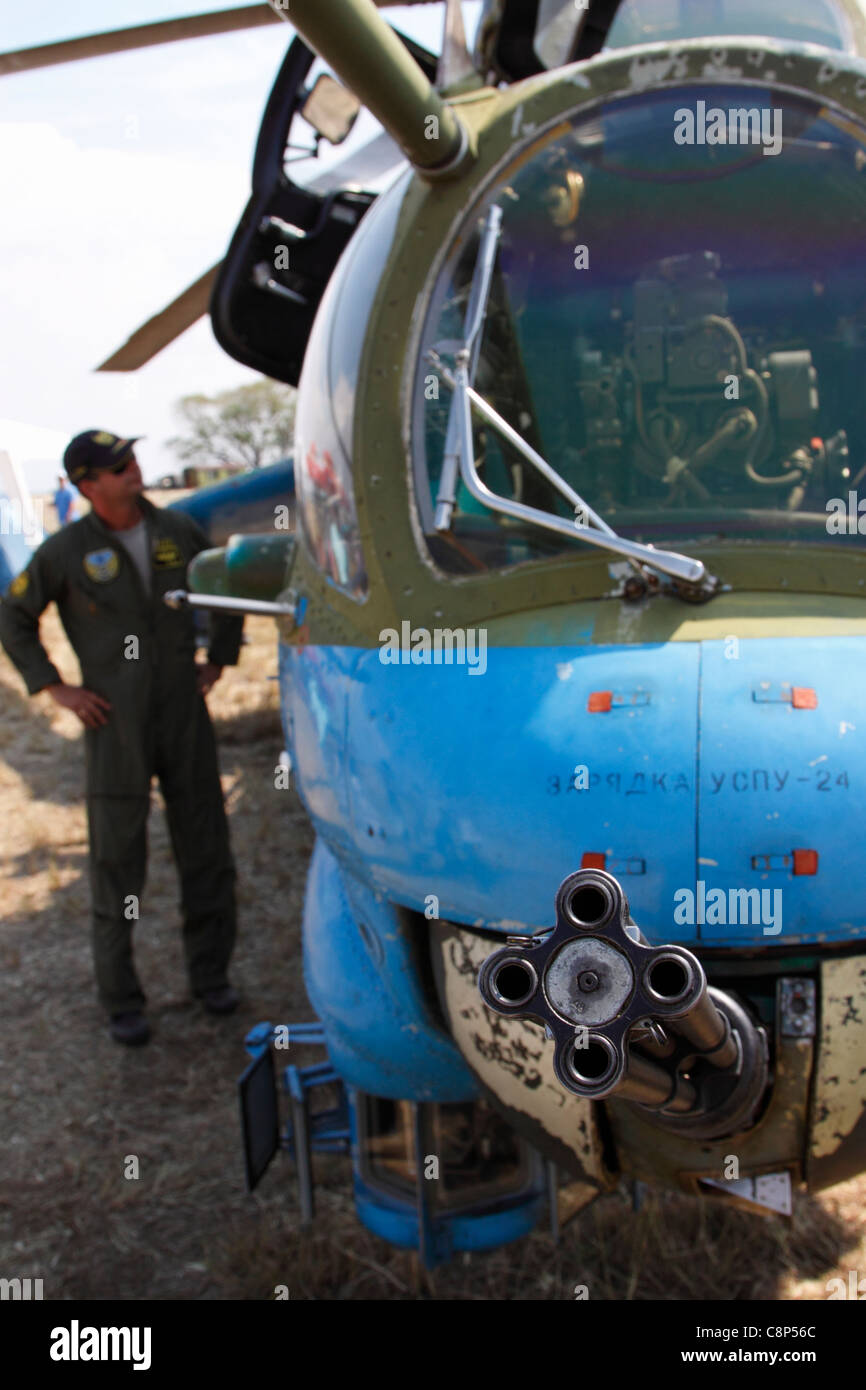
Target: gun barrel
{"type": "Point", "coordinates": [709, 1032]}
{"type": "Point", "coordinates": [671, 978]}
{"type": "Point", "coordinates": [628, 1019]}
{"type": "Point", "coordinates": [596, 1070]}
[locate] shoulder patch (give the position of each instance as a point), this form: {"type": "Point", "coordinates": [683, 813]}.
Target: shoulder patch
{"type": "Point", "coordinates": [167, 554]}
{"type": "Point", "coordinates": [19, 584]}
{"type": "Point", "coordinates": [102, 565]}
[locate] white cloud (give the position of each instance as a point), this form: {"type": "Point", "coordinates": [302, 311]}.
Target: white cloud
{"type": "Point", "coordinates": [121, 182]}
{"type": "Point", "coordinates": [88, 253]}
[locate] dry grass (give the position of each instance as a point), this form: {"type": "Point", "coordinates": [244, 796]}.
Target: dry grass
{"type": "Point", "coordinates": [74, 1105]}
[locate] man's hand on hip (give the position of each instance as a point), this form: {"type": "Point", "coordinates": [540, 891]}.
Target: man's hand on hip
{"type": "Point", "coordinates": [92, 709]}
{"type": "Point", "coordinates": [207, 676]}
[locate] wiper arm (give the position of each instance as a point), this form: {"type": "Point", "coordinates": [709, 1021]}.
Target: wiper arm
{"type": "Point", "coordinates": [458, 454]}
{"type": "Point", "coordinates": [686, 571]}
{"type": "Point", "coordinates": [510, 434]}
{"type": "Point", "coordinates": [479, 293]}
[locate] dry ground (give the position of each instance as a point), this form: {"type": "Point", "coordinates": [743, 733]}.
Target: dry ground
{"type": "Point", "coordinates": [73, 1105]}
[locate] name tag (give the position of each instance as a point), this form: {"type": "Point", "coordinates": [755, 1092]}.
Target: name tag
{"type": "Point", "coordinates": [167, 555]}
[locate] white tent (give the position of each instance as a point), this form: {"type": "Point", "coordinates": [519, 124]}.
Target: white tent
{"type": "Point", "coordinates": [37, 453]}
{"type": "Point", "coordinates": [23, 473]}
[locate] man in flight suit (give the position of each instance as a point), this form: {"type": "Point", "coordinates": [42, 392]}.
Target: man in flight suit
{"type": "Point", "coordinates": [143, 708]}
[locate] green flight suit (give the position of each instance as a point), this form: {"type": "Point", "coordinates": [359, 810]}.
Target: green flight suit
{"type": "Point", "coordinates": [158, 725]}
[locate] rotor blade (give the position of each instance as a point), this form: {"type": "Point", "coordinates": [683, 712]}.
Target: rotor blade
{"type": "Point", "coordinates": [370, 163]}
{"type": "Point", "coordinates": [164, 327]}
{"type": "Point", "coordinates": [144, 35]}
{"type": "Point", "coordinates": [139, 36]}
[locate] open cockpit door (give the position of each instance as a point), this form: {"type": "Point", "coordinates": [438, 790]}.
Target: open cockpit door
{"type": "Point", "coordinates": [290, 237]}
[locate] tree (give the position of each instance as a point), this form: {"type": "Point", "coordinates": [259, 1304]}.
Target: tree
{"type": "Point", "coordinates": [250, 425]}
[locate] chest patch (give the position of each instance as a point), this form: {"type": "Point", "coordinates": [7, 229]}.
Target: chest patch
{"type": "Point", "coordinates": [166, 554]}
{"type": "Point", "coordinates": [19, 584]}
{"type": "Point", "coordinates": [102, 565]}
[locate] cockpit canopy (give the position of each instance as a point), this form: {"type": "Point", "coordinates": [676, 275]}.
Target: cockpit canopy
{"type": "Point", "coordinates": [676, 324]}
{"type": "Point", "coordinates": [792, 21]}
{"type": "Point", "coordinates": [517, 38]}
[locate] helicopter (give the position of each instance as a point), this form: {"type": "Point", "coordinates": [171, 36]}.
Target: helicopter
{"type": "Point", "coordinates": [579, 413]}
{"type": "Point", "coordinates": [582, 380]}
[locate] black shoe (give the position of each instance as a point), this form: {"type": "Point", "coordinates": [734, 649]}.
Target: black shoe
{"type": "Point", "coordinates": [221, 1001]}
{"type": "Point", "coordinates": [130, 1028]}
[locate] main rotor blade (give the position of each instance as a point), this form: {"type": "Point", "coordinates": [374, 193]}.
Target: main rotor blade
{"type": "Point", "coordinates": [164, 327]}
{"type": "Point", "coordinates": [145, 35]}
{"type": "Point", "coordinates": [372, 161]}
{"type": "Point", "coordinates": [138, 36]}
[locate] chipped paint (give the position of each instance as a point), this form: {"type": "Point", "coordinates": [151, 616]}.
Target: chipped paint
{"type": "Point", "coordinates": [511, 1056]}
{"type": "Point", "coordinates": [718, 69]}
{"type": "Point", "coordinates": [646, 72]}
{"type": "Point", "coordinates": [521, 127]}
{"type": "Point", "coordinates": [828, 72]}
{"type": "Point", "coordinates": [777, 1143]}
{"type": "Point", "coordinates": [840, 1088]}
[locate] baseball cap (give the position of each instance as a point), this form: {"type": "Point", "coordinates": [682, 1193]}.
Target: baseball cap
{"type": "Point", "coordinates": [94, 450]}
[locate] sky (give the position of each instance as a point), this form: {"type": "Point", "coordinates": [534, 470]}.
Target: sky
{"type": "Point", "coordinates": [121, 181]}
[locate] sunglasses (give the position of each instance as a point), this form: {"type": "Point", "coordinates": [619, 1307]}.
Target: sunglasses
{"type": "Point", "coordinates": [116, 468]}
{"type": "Point", "coordinates": [122, 466]}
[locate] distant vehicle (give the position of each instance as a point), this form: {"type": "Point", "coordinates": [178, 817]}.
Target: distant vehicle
{"type": "Point", "coordinates": [201, 475]}
{"type": "Point", "coordinates": [243, 504]}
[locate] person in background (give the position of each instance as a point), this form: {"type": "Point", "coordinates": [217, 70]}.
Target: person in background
{"type": "Point", "coordinates": [64, 501]}
{"type": "Point", "coordinates": [143, 708]}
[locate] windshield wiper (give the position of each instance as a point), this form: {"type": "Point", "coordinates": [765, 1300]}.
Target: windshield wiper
{"type": "Point", "coordinates": [687, 572]}
{"type": "Point", "coordinates": [479, 293]}
{"type": "Point", "coordinates": [692, 579]}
